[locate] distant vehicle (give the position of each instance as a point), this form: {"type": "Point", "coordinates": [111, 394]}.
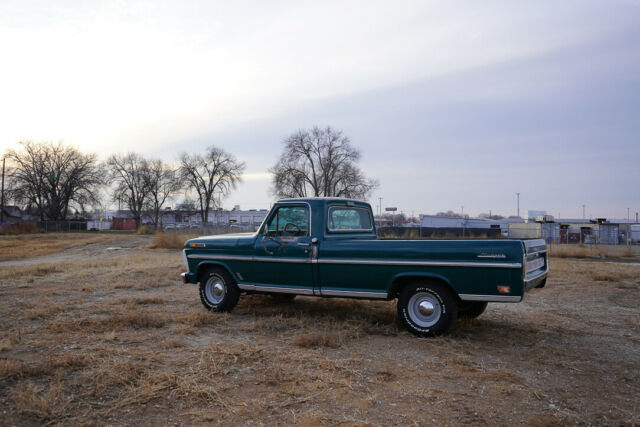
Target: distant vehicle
{"type": "Point", "coordinates": [328, 247]}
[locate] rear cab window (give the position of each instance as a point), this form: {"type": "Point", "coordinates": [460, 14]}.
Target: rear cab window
{"type": "Point", "coordinates": [349, 219]}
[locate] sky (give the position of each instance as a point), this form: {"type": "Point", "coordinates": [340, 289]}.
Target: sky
{"type": "Point", "coordinates": [453, 105]}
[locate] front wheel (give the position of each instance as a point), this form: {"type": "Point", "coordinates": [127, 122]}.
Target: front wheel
{"type": "Point", "coordinates": [427, 309]}
{"type": "Point", "coordinates": [218, 290]}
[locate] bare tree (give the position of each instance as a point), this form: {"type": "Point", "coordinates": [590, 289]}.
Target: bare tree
{"type": "Point", "coordinates": [216, 171]}
{"type": "Point", "coordinates": [53, 178]}
{"type": "Point", "coordinates": [320, 162]}
{"type": "Point", "coordinates": [163, 183]}
{"type": "Point", "coordinates": [130, 174]}
{"type": "Point", "coordinates": [490, 216]}
{"type": "Point", "coordinates": [450, 214]}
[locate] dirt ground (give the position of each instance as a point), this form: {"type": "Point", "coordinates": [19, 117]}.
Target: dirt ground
{"type": "Point", "coordinates": [92, 335]}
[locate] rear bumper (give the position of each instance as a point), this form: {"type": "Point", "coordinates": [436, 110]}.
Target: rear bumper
{"type": "Point", "coordinates": [537, 280]}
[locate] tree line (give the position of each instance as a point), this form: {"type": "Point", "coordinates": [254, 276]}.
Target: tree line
{"type": "Point", "coordinates": [54, 180]}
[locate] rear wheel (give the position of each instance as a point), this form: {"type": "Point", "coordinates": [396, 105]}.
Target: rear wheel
{"type": "Point", "coordinates": [471, 310]}
{"type": "Point", "coordinates": [427, 308]}
{"type": "Point", "coordinates": [218, 290]}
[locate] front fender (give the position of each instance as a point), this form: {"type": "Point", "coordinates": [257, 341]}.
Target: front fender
{"type": "Point", "coordinates": [204, 264]}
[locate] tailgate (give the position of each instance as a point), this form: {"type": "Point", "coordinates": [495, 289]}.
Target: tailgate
{"type": "Point", "coordinates": [536, 264]}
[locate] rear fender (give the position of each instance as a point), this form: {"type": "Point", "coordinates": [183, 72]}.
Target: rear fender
{"type": "Point", "coordinates": [401, 279]}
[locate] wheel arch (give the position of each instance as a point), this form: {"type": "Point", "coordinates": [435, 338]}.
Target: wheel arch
{"type": "Point", "coordinates": [402, 279]}
{"type": "Point", "coordinates": [206, 264]}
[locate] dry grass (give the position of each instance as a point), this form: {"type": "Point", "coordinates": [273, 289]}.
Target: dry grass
{"type": "Point", "coordinates": [592, 251]}
{"type": "Point", "coordinates": [317, 339]}
{"type": "Point", "coordinates": [145, 230]}
{"type": "Point", "coordinates": [171, 240]}
{"type": "Point", "coordinates": [32, 245]}
{"type": "Point", "coordinates": [20, 228]}
{"type": "Point", "coordinates": [122, 341]}
{"type": "Point", "coordinates": [18, 369]}
{"type": "Point", "coordinates": [45, 404]}
{"type": "Point", "coordinates": [9, 339]}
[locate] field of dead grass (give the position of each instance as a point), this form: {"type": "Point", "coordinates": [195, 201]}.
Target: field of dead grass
{"type": "Point", "coordinates": [594, 251]}
{"type": "Point", "coordinates": [32, 245]}
{"type": "Point", "coordinates": [122, 341]}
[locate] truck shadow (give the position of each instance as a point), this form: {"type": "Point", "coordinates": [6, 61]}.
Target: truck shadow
{"type": "Point", "coordinates": [364, 317]}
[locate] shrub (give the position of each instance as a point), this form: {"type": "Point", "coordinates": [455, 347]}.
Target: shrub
{"type": "Point", "coordinates": [20, 228]}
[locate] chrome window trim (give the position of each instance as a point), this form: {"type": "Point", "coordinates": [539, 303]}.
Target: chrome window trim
{"type": "Point", "coordinates": [351, 230]}
{"type": "Point", "coordinates": [359, 261]}
{"type": "Point", "coordinates": [277, 206]}
{"type": "Point", "coordinates": [490, 298]}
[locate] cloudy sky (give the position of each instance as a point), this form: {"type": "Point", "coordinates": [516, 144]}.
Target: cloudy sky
{"type": "Point", "coordinates": [451, 103]}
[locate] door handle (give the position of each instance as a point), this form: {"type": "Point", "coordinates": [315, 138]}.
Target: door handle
{"type": "Point", "coordinates": [303, 244]}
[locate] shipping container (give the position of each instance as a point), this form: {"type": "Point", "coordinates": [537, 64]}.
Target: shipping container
{"type": "Point", "coordinates": [608, 234]}
{"type": "Point", "coordinates": [528, 230]}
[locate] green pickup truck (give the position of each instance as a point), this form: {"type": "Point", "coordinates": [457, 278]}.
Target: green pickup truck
{"type": "Point", "coordinates": [328, 247]}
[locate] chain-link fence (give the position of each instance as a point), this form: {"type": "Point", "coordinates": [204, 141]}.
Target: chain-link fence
{"type": "Point", "coordinates": [62, 226]}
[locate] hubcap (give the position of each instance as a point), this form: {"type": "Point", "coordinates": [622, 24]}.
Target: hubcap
{"type": "Point", "coordinates": [218, 289]}
{"type": "Point", "coordinates": [214, 290]}
{"type": "Point", "coordinates": [424, 309]}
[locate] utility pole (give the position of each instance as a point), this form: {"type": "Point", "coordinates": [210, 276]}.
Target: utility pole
{"type": "Point", "coordinates": [583, 212]}
{"type": "Point", "coordinates": [2, 197]}
{"type": "Point", "coordinates": [463, 222]}
{"type": "Point", "coordinates": [380, 207]}
{"type": "Point", "coordinates": [518, 196]}
{"type": "Point", "coordinates": [628, 228]}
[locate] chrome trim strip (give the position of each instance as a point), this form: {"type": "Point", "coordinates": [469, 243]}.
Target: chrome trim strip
{"type": "Point", "coordinates": [289, 260]}
{"type": "Point", "coordinates": [360, 261]}
{"type": "Point", "coordinates": [491, 256]}
{"type": "Point", "coordinates": [222, 257]}
{"type": "Point", "coordinates": [337, 293]}
{"type": "Point", "coordinates": [490, 298]}
{"type": "Point", "coordinates": [420, 263]}
{"type": "Point", "coordinates": [185, 261]}
{"type": "Point", "coordinates": [541, 251]}
{"type": "Point", "coordinates": [251, 258]}
{"type": "Point", "coordinates": [274, 289]}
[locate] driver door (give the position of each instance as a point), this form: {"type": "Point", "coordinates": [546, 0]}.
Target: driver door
{"type": "Point", "coordinates": [283, 251]}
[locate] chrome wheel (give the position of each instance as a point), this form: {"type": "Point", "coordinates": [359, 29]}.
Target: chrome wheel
{"type": "Point", "coordinates": [215, 289]}
{"type": "Point", "coordinates": [424, 309]}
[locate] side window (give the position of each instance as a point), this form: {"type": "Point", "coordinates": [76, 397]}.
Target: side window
{"type": "Point", "coordinates": [291, 221]}
{"type": "Point", "coordinates": [349, 219]}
